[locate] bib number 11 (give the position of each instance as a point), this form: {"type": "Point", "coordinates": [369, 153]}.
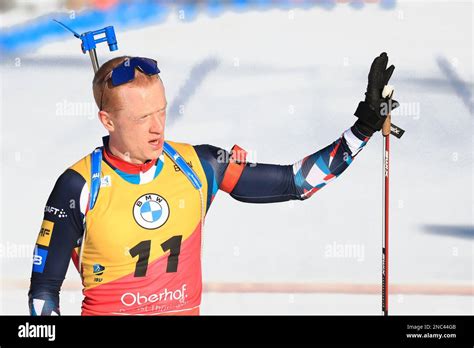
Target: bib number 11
{"type": "Point", "coordinates": [142, 250]}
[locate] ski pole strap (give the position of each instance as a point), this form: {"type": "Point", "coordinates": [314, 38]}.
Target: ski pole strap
{"type": "Point", "coordinates": [96, 161]}
{"type": "Point", "coordinates": [181, 163]}
{"type": "Point", "coordinates": [396, 131]}
{"type": "Point", "coordinates": [235, 168]}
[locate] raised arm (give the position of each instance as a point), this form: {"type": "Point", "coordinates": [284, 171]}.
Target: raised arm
{"type": "Point", "coordinates": [267, 183]}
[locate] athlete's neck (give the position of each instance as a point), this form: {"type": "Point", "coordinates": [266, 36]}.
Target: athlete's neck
{"type": "Point", "coordinates": [124, 156]}
{"type": "Point", "coordinates": [120, 160]}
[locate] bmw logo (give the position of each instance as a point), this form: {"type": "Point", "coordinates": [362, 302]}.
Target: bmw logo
{"type": "Point", "coordinates": [151, 211]}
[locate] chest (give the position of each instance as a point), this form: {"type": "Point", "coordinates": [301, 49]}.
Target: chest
{"type": "Point", "coordinates": [127, 214]}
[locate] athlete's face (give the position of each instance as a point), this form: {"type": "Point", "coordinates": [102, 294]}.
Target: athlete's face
{"type": "Point", "coordinates": [138, 121]}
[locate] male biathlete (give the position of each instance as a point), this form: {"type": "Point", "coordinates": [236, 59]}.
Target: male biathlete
{"type": "Point", "coordinates": [130, 214]}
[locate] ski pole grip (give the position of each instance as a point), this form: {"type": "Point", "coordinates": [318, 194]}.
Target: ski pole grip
{"type": "Point", "coordinates": [386, 129]}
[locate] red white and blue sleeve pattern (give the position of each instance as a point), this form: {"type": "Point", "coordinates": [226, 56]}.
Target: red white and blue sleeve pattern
{"type": "Point", "coordinates": [271, 183]}
{"type": "Point", "coordinates": [315, 171]}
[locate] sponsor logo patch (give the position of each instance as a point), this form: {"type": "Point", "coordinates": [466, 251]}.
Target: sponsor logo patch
{"type": "Point", "coordinates": [151, 211]}
{"type": "Point", "coordinates": [39, 259]}
{"type": "Point", "coordinates": [105, 181]}
{"type": "Point", "coordinates": [44, 237]}
{"type": "Point", "coordinates": [98, 270]}
{"type": "Point", "coordinates": [55, 211]}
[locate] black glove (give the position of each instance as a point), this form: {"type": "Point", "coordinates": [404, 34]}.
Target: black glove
{"type": "Point", "coordinates": [374, 110]}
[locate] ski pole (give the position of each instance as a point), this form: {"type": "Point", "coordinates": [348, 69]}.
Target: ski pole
{"type": "Point", "coordinates": [386, 205]}
{"type": "Point", "coordinates": [387, 129]}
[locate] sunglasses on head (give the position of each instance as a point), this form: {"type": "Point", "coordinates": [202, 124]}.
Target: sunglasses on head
{"type": "Point", "coordinates": [125, 71]}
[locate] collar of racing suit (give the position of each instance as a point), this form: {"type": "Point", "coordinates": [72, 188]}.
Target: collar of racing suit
{"type": "Point", "coordinates": [127, 167]}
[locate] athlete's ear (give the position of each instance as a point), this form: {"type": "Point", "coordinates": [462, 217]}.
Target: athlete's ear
{"type": "Point", "coordinates": [106, 119]}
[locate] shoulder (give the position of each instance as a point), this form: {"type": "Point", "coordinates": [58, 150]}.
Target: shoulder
{"type": "Point", "coordinates": [204, 152]}
{"type": "Point", "coordinates": [76, 175]}
{"type": "Point", "coordinates": [70, 184]}
{"type": "Point", "coordinates": [82, 167]}
{"type": "Point", "coordinates": [71, 178]}
{"type": "Point", "coordinates": [204, 149]}
{"type": "Point", "coordinates": [214, 159]}
{"type": "Point", "coordinates": [183, 149]}
{"type": "Point", "coordinates": [74, 179]}
{"type": "Point", "coordinates": [211, 153]}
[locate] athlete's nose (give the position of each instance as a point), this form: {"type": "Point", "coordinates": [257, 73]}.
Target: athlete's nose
{"type": "Point", "coordinates": [157, 123]}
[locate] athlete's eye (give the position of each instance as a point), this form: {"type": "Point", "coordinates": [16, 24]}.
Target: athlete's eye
{"type": "Point", "coordinates": [144, 118]}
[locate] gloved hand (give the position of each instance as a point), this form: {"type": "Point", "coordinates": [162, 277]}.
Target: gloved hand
{"type": "Point", "coordinates": [374, 110]}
